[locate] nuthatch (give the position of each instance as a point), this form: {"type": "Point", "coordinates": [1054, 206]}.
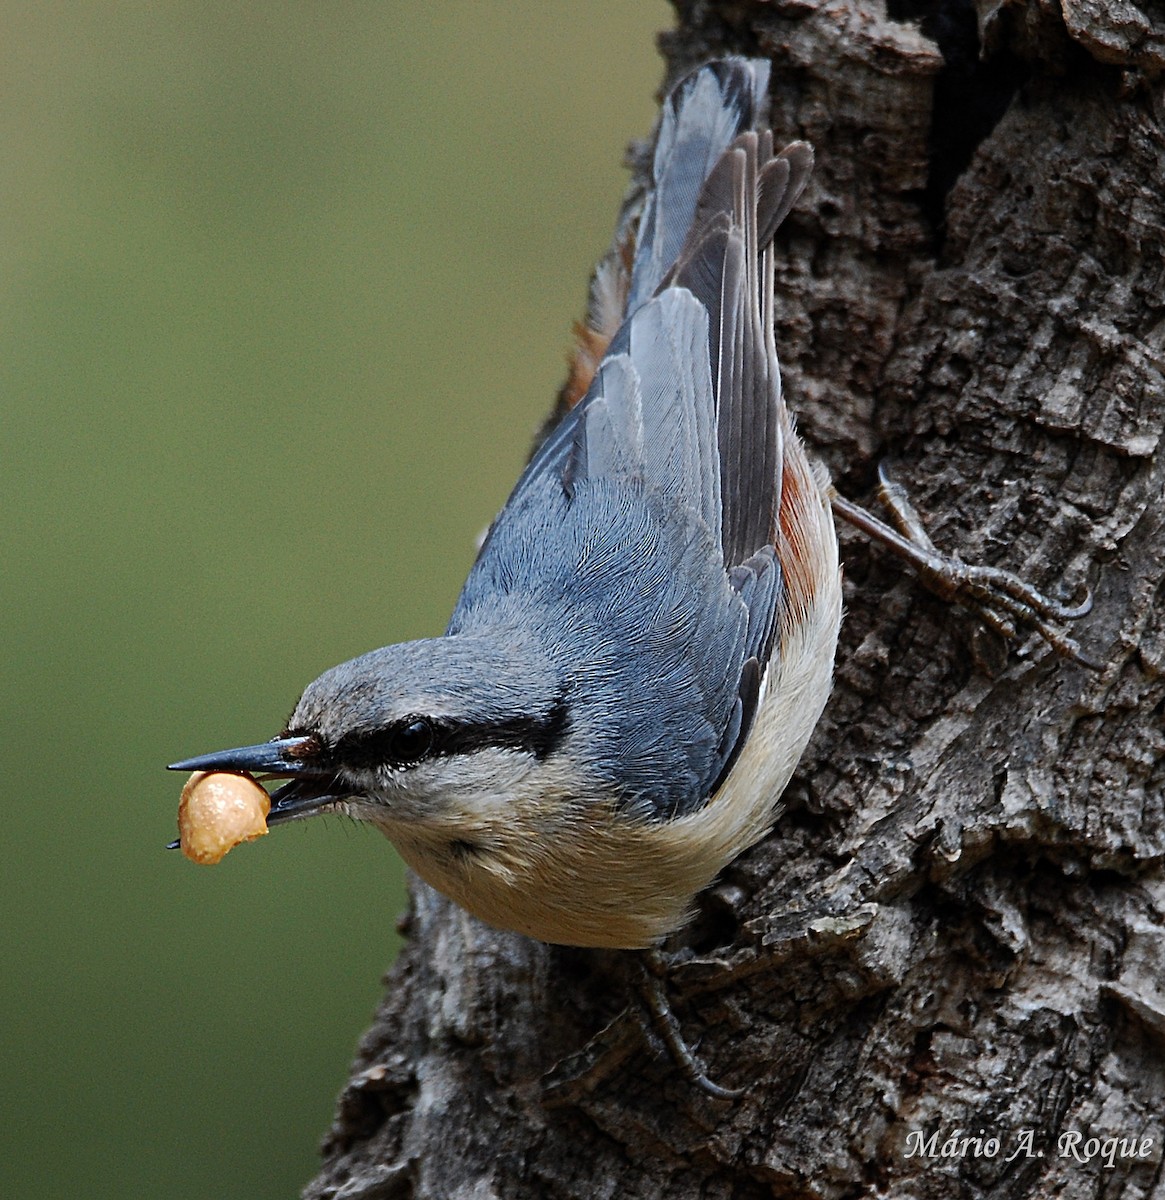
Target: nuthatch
{"type": "Point", "coordinates": [646, 640]}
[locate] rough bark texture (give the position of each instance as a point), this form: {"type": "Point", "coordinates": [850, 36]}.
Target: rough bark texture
{"type": "Point", "coordinates": [959, 923]}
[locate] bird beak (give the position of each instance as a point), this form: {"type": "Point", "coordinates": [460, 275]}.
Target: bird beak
{"type": "Point", "coordinates": [280, 756]}
{"type": "Point", "coordinates": [313, 787]}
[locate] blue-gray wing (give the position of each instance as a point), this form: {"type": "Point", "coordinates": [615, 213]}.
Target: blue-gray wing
{"type": "Point", "coordinates": [716, 196]}
{"type": "Point", "coordinates": [651, 411]}
{"type": "Point", "coordinates": [686, 403]}
{"type": "Point", "coordinates": [703, 423]}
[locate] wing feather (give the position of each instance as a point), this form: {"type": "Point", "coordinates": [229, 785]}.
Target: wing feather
{"type": "Point", "coordinates": [686, 403]}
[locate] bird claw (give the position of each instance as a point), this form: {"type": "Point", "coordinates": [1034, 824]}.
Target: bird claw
{"type": "Point", "coordinates": [653, 968]}
{"type": "Point", "coordinates": [576, 1076]}
{"type": "Point", "coordinates": [1001, 598]}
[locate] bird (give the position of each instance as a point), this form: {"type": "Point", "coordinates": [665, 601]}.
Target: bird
{"type": "Point", "coordinates": [645, 642]}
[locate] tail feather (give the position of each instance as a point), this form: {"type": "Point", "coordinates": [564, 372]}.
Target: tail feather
{"type": "Point", "coordinates": [700, 120]}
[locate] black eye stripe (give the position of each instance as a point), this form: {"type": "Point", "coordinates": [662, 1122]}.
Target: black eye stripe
{"type": "Point", "coordinates": [403, 743]}
{"type": "Point", "coordinates": [537, 735]}
{"type": "Point", "coordinates": [415, 738]}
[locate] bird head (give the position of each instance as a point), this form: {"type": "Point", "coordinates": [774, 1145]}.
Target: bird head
{"type": "Point", "coordinates": [410, 732]}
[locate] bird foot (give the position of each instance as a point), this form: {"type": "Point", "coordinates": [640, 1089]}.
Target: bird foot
{"type": "Point", "coordinates": [1002, 599]}
{"type": "Point", "coordinates": [653, 993]}
{"type": "Point", "coordinates": [568, 1081]}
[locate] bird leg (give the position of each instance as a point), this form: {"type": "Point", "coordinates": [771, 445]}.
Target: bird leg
{"type": "Point", "coordinates": [1001, 598]}
{"type": "Point", "coordinates": [653, 1021]}
{"type": "Point", "coordinates": [652, 970]}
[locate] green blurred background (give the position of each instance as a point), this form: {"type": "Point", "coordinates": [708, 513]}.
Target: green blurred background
{"type": "Point", "coordinates": [285, 290]}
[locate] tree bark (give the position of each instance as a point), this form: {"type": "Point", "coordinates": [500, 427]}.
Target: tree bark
{"type": "Point", "coordinates": [957, 927]}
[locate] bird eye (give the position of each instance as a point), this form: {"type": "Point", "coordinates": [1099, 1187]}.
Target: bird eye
{"type": "Point", "coordinates": [411, 740]}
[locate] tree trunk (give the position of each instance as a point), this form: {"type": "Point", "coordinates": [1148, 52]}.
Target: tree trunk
{"type": "Point", "coordinates": [956, 930]}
